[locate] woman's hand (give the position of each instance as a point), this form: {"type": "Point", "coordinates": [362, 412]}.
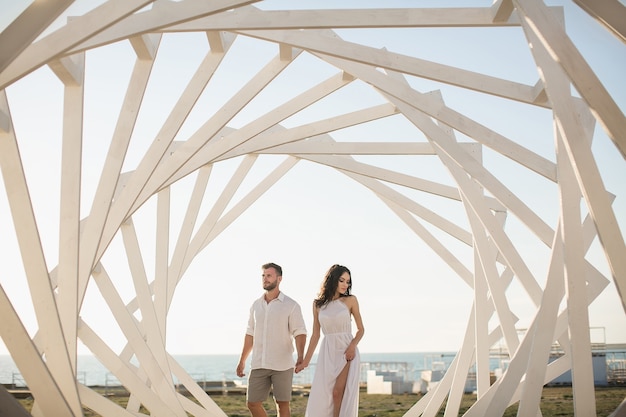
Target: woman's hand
{"type": "Point", "coordinates": [300, 366]}
{"type": "Point", "coordinates": [350, 352]}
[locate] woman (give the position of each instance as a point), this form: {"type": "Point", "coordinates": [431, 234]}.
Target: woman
{"type": "Point", "coordinates": [335, 388]}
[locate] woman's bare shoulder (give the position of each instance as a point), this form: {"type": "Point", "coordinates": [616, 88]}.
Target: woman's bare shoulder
{"type": "Point", "coordinates": [351, 300]}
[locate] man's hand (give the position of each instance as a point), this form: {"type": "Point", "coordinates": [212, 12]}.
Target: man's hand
{"type": "Point", "coordinates": [240, 369]}
{"type": "Point", "coordinates": [300, 365]}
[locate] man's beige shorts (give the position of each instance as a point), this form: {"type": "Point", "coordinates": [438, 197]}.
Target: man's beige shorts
{"type": "Point", "coordinates": [261, 381]}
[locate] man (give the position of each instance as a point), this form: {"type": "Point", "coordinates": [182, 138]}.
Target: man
{"type": "Point", "coordinates": [274, 320]}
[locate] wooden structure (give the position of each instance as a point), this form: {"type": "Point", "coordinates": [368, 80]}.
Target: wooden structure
{"type": "Point", "coordinates": [36, 41]}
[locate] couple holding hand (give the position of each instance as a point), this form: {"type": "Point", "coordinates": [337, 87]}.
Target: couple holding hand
{"type": "Point", "coordinates": [276, 319]}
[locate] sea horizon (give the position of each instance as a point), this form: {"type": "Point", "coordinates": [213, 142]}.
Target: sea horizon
{"type": "Point", "coordinates": [222, 366]}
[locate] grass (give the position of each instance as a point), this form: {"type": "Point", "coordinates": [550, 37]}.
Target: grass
{"type": "Point", "coordinates": [555, 402]}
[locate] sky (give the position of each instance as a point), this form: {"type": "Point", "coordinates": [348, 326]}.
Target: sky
{"type": "Point", "coordinates": [411, 301]}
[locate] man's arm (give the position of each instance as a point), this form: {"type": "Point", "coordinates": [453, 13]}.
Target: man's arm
{"type": "Point", "coordinates": [300, 344]}
{"type": "Point", "coordinates": [248, 342]}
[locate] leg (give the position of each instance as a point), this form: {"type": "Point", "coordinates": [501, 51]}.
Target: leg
{"type": "Point", "coordinates": [339, 389]}
{"type": "Point", "coordinates": [256, 409]}
{"type": "Point", "coordinates": [282, 381]}
{"type": "Point", "coordinates": [259, 383]}
{"type": "Point", "coordinates": [283, 408]}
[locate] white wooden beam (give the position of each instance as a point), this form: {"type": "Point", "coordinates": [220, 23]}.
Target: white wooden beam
{"type": "Point", "coordinates": [29, 24]}
{"type": "Point", "coordinates": [155, 402]}
{"type": "Point", "coordinates": [150, 21]}
{"type": "Point", "coordinates": [432, 106]}
{"type": "Point", "coordinates": [575, 288]}
{"type": "Point", "coordinates": [173, 268]}
{"type": "Point", "coordinates": [34, 262]}
{"type": "Point", "coordinates": [70, 70]}
{"type": "Point", "coordinates": [578, 148]}
{"type": "Point", "coordinates": [200, 241]}
{"type": "Point", "coordinates": [30, 363]}
{"type": "Point", "coordinates": [502, 10]}
{"type": "Point", "coordinates": [549, 33]}
{"type": "Point", "coordinates": [324, 45]}
{"type": "Point", "coordinates": [610, 13]}
{"type": "Point", "coordinates": [105, 192]}
{"type": "Point", "coordinates": [199, 394]}
{"type": "Point", "coordinates": [163, 389]}
{"type": "Point", "coordinates": [252, 18]}
{"type": "Point", "coordinates": [145, 176]}
{"type": "Point", "coordinates": [61, 40]}
{"type": "Point", "coordinates": [69, 221]}
{"type": "Point", "coordinates": [146, 46]}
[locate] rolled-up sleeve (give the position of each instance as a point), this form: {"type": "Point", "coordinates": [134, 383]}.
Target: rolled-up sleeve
{"type": "Point", "coordinates": [297, 326]}
{"type": "Point", "coordinates": [273, 326]}
{"type": "Point", "coordinates": [251, 322]}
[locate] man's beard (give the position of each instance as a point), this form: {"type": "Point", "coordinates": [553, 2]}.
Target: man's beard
{"type": "Point", "coordinates": [270, 286]}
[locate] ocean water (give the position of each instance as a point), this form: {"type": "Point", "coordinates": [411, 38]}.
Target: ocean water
{"type": "Point", "coordinates": [222, 367]}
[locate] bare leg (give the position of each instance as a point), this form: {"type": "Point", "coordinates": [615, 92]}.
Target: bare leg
{"type": "Point", "coordinates": [283, 409]}
{"type": "Point", "coordinates": [339, 389]}
{"type": "Point", "coordinates": [256, 409]}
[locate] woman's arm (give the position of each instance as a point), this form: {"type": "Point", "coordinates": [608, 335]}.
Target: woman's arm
{"type": "Point", "coordinates": [353, 304]}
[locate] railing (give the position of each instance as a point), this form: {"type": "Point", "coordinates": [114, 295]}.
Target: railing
{"type": "Point", "coordinates": [17, 381]}
{"type": "Point", "coordinates": [616, 368]}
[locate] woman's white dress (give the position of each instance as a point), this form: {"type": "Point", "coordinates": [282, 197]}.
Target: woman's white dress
{"type": "Point", "coordinates": [336, 324]}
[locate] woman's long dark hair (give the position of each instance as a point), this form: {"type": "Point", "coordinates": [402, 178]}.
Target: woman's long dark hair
{"type": "Point", "coordinates": [329, 286]}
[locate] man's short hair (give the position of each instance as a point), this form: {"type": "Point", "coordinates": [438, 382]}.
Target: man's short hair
{"type": "Point", "coordinates": [279, 270]}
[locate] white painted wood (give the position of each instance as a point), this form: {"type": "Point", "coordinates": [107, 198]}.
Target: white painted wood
{"type": "Point", "coordinates": [575, 291]}
{"type": "Point", "coordinates": [483, 313]}
{"type": "Point", "coordinates": [485, 255]}
{"type": "Point", "coordinates": [543, 334]}
{"type": "Point", "coordinates": [463, 362]}
{"type": "Point", "coordinates": [162, 251]}
{"type": "Point", "coordinates": [42, 294]}
{"type": "Point", "coordinates": [201, 241]}
{"type": "Point", "coordinates": [389, 195]}
{"type": "Point", "coordinates": [127, 200]}
{"type": "Point", "coordinates": [458, 371]}
{"type": "Point", "coordinates": [487, 203]}
{"type": "Point", "coordinates": [149, 363]}
{"type": "Point", "coordinates": [502, 10]}
{"type": "Point", "coordinates": [101, 404]}
{"type": "Point", "coordinates": [452, 261]}
{"type": "Point", "coordinates": [175, 120]}
{"type": "Point", "coordinates": [149, 323]}
{"type": "Point", "coordinates": [125, 372]}
{"type": "Point", "coordinates": [28, 360]}
{"type": "Point", "coordinates": [494, 230]}
{"type": "Point", "coordinates": [69, 221]}
{"type": "Point", "coordinates": [216, 146]}
{"type": "Point", "coordinates": [248, 18]}
{"type": "Point", "coordinates": [610, 13]}
{"type": "Point", "coordinates": [162, 14]}
{"type": "Point", "coordinates": [585, 167]}
{"type": "Point", "coordinates": [562, 50]}
{"type": "Point", "coordinates": [174, 272]}
{"type": "Point", "coordinates": [324, 45]}
{"type": "Point", "coordinates": [61, 40]}
{"type": "Point", "coordinates": [266, 139]}
{"type": "Point", "coordinates": [436, 109]}
{"type": "Point", "coordinates": [209, 405]}
{"type": "Point", "coordinates": [27, 26]}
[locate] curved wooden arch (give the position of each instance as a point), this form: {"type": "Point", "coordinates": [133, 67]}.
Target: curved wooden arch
{"type": "Point", "coordinates": [135, 30]}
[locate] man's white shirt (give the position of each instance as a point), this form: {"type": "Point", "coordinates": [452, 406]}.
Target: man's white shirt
{"type": "Point", "coordinates": [273, 326]}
